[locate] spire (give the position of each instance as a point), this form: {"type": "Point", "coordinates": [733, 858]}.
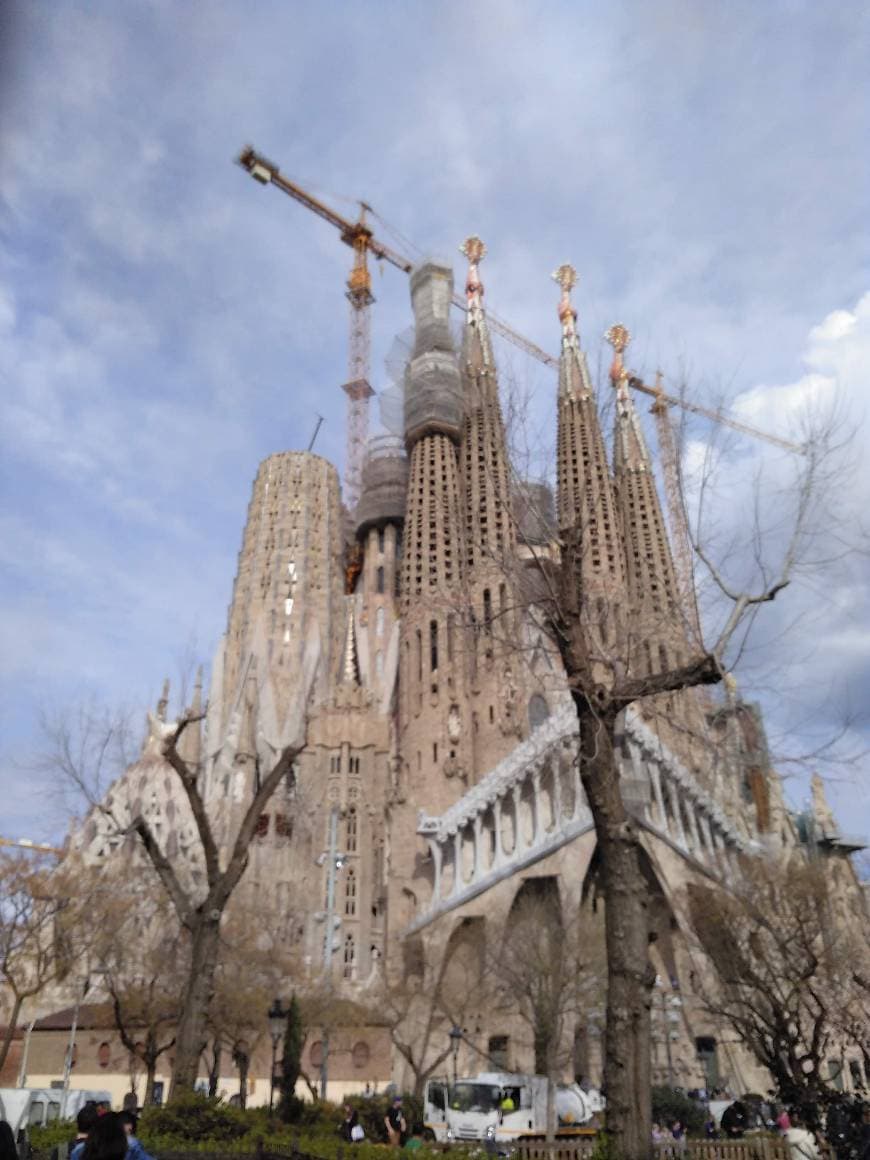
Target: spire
{"type": "Point", "coordinates": [163, 703]}
{"type": "Point", "coordinates": [629, 446]}
{"type": "Point", "coordinates": [192, 736]}
{"type": "Point", "coordinates": [350, 670]}
{"type": "Point", "coordinates": [485, 469]}
{"type": "Point", "coordinates": [574, 381]}
{"type": "Point", "coordinates": [476, 345]}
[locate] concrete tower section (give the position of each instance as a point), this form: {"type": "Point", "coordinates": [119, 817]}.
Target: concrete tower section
{"type": "Point", "coordinates": [496, 660]}
{"type": "Point", "coordinates": [589, 522]}
{"type": "Point", "coordinates": [380, 516]}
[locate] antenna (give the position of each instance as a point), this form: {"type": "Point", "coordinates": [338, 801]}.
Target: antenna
{"type": "Point", "coordinates": [316, 429]}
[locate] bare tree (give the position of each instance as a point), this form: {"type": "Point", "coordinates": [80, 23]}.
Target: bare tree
{"type": "Point", "coordinates": [39, 904]}
{"type": "Point", "coordinates": [141, 954]}
{"type": "Point", "coordinates": [787, 971]}
{"type": "Point", "coordinates": [551, 970]}
{"type": "Point", "coordinates": [605, 678]}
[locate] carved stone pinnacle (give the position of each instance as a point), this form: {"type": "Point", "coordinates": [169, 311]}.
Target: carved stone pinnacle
{"type": "Point", "coordinates": [566, 276]}
{"type": "Point", "coordinates": [474, 249]}
{"type": "Point", "coordinates": [618, 337]}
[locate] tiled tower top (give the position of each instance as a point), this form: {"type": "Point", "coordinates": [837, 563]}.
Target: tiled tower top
{"type": "Point", "coordinates": [485, 470]}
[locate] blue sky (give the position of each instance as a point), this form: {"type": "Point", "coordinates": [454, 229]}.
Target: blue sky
{"type": "Point", "coordinates": [165, 323]}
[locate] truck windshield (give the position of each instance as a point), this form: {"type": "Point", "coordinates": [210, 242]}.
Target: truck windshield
{"type": "Point", "coordinates": [473, 1097]}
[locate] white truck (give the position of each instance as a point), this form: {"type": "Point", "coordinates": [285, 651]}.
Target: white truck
{"type": "Point", "coordinates": [504, 1107]}
{"type": "Point", "coordinates": [27, 1107]}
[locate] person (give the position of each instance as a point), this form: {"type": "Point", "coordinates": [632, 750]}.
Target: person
{"type": "Point", "coordinates": [657, 1134]}
{"type": "Point", "coordinates": [85, 1120]}
{"type": "Point", "coordinates": [394, 1122]}
{"type": "Point", "coordinates": [507, 1104]}
{"type": "Point", "coordinates": [734, 1120]}
{"type": "Point", "coordinates": [801, 1142]}
{"type": "Point", "coordinates": [107, 1139]}
{"type": "Point", "coordinates": [415, 1140]}
{"type": "Point", "coordinates": [8, 1151]}
{"type": "Point", "coordinates": [350, 1126]}
{"type": "Point", "coordinates": [864, 1137]}
{"type": "Point", "coordinates": [783, 1122]}
{"type": "Point", "coordinates": [135, 1151]}
{"type": "Point", "coordinates": [679, 1134]}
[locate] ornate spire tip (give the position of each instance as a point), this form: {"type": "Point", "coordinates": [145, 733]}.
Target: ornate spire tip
{"type": "Point", "coordinates": [566, 276]}
{"type": "Point", "coordinates": [618, 337]}
{"type": "Point", "coordinates": [474, 249]}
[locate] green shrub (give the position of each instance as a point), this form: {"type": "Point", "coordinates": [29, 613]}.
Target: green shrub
{"type": "Point", "coordinates": [44, 1139]}
{"type": "Point", "coordinates": [193, 1117]}
{"type": "Point", "coordinates": [669, 1104]}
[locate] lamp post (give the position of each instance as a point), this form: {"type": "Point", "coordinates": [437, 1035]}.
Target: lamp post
{"type": "Point", "coordinates": [455, 1040]}
{"type": "Point", "coordinates": [277, 1018]}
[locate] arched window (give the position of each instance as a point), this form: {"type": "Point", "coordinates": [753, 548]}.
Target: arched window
{"type": "Point", "coordinates": [487, 609]}
{"type": "Point", "coordinates": [350, 894]}
{"type": "Point", "coordinates": [433, 645]}
{"type": "Point", "coordinates": [539, 711]}
{"type": "Point", "coordinates": [104, 1055]}
{"type": "Point", "coordinates": [361, 1054]}
{"type": "Point", "coordinates": [315, 1053]}
{"type": "Point", "coordinates": [380, 575]}
{"type": "Point", "coordinates": [351, 831]}
{"type": "Point", "coordinates": [349, 956]}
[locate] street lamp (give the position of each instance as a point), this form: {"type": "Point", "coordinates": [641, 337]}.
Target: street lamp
{"type": "Point", "coordinates": [455, 1040]}
{"type": "Point", "coordinates": [277, 1018]}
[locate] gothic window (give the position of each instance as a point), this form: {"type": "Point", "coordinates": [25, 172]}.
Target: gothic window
{"type": "Point", "coordinates": [381, 541]}
{"type": "Point", "coordinates": [539, 711]}
{"type": "Point", "coordinates": [283, 826]}
{"type": "Point", "coordinates": [351, 831]}
{"type": "Point", "coordinates": [380, 576]}
{"type": "Point", "coordinates": [350, 894]}
{"type": "Point", "coordinates": [349, 956]}
{"type": "Point", "coordinates": [433, 645]}
{"type": "Point", "coordinates": [262, 826]}
{"type": "Point", "coordinates": [353, 765]}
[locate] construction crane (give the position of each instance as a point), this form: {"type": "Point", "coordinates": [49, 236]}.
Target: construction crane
{"type": "Point", "coordinates": [26, 844]}
{"type": "Point", "coordinates": [360, 237]}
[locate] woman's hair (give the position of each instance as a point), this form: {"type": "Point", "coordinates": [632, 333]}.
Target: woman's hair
{"type": "Point", "coordinates": [107, 1139]}
{"type": "Point", "coordinates": [8, 1151]}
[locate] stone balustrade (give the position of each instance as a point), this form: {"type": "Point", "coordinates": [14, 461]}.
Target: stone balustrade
{"type": "Point", "coordinates": [533, 803]}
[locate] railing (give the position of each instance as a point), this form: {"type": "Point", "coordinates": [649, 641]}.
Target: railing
{"type": "Point", "coordinates": [760, 1147]}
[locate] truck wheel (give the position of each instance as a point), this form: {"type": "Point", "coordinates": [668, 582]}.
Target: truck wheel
{"type": "Point", "coordinates": [428, 1135]}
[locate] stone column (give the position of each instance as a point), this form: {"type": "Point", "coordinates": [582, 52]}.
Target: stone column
{"type": "Point", "coordinates": [653, 767]}
{"type": "Point", "coordinates": [457, 861]}
{"type": "Point", "coordinates": [477, 827]}
{"type": "Point", "coordinates": [496, 818]}
{"type": "Point", "coordinates": [435, 851]}
{"type": "Point", "coordinates": [673, 798]}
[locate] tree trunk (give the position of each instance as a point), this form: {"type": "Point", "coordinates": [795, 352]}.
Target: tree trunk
{"type": "Point", "coordinates": [630, 976]}
{"type": "Point", "coordinates": [192, 1036]}
{"type": "Point", "coordinates": [10, 1029]}
{"type": "Point", "coordinates": [215, 1072]}
{"type": "Point", "coordinates": [551, 1105]}
{"type": "Point", "coordinates": [243, 1080]}
{"type": "Point", "coordinates": [150, 1075]}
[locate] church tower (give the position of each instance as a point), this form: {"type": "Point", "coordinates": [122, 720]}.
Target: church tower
{"type": "Point", "coordinates": [433, 710]}
{"type": "Point", "coordinates": [588, 518]}
{"type": "Point", "coordinates": [494, 658]}
{"type": "Point", "coordinates": [656, 628]}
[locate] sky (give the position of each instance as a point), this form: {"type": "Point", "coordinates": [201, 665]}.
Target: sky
{"type": "Point", "coordinates": [166, 323]}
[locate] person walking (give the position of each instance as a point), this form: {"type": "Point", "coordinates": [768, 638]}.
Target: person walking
{"type": "Point", "coordinates": [801, 1142]}
{"type": "Point", "coordinates": [135, 1151]}
{"type": "Point", "coordinates": [8, 1151]}
{"type": "Point", "coordinates": [394, 1122]}
{"type": "Point", "coordinates": [107, 1139]}
{"type": "Point", "coordinates": [85, 1120]}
